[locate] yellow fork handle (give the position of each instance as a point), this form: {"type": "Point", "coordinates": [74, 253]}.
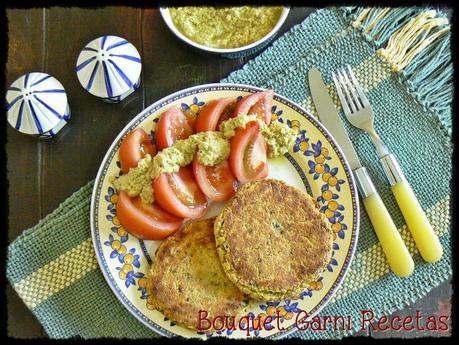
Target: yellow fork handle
{"type": "Point", "coordinates": [397, 255]}
{"type": "Point", "coordinates": [424, 236]}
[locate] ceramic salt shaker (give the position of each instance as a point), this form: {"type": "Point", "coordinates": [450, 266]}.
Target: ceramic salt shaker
{"type": "Point", "coordinates": [36, 105]}
{"type": "Point", "coordinates": [109, 67]}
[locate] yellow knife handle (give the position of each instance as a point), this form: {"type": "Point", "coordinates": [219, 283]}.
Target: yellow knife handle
{"type": "Point", "coordinates": [397, 255]}
{"type": "Point", "coordinates": [424, 236]}
{"type": "Point", "coordinates": [394, 248]}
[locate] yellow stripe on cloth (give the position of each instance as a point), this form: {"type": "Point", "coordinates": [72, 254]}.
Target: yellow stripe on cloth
{"type": "Point", "coordinates": [58, 274]}
{"type": "Point", "coordinates": [371, 264]}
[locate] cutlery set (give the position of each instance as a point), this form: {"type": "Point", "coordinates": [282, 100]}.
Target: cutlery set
{"type": "Point", "coordinates": [358, 112]}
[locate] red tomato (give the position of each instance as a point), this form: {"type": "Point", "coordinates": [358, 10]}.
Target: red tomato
{"type": "Point", "coordinates": [248, 154]}
{"type": "Point", "coordinates": [213, 114]}
{"type": "Point", "coordinates": [258, 103]}
{"type": "Point", "coordinates": [179, 194]}
{"type": "Point", "coordinates": [216, 182]}
{"type": "Point", "coordinates": [146, 222]}
{"type": "Point", "coordinates": [172, 126]}
{"type": "Point", "coordinates": [134, 147]}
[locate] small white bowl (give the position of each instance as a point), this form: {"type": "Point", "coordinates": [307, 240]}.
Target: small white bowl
{"type": "Point", "coordinates": [231, 53]}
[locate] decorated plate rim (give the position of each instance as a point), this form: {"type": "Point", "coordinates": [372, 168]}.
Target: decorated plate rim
{"type": "Point", "coordinates": [191, 91]}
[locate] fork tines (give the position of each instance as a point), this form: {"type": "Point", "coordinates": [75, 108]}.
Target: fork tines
{"type": "Point", "coordinates": [349, 90]}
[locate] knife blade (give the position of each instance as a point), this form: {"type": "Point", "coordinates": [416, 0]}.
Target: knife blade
{"type": "Point", "coordinates": [329, 117]}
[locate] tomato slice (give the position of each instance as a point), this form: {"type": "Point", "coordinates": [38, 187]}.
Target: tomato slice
{"type": "Point", "coordinates": [214, 113]}
{"type": "Point", "coordinates": [172, 126]}
{"type": "Point", "coordinates": [216, 182]}
{"type": "Point", "coordinates": [133, 148]}
{"type": "Point", "coordinates": [258, 103]}
{"type": "Point", "coordinates": [179, 194]}
{"type": "Point", "coordinates": [248, 154]}
{"type": "Point", "coordinates": [146, 222]}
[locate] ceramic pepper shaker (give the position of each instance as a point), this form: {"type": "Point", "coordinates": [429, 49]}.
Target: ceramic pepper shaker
{"type": "Point", "coordinates": [37, 105]}
{"type": "Point", "coordinates": [109, 67]}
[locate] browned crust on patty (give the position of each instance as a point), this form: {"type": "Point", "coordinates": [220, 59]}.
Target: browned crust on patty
{"type": "Point", "coordinates": [186, 277]}
{"type": "Point", "coordinates": [272, 240]}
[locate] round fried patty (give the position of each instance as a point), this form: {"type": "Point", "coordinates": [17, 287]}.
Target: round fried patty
{"type": "Point", "coordinates": [272, 240]}
{"type": "Point", "coordinates": [186, 277]}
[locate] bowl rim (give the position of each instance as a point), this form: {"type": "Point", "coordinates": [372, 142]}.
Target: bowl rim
{"type": "Point", "coordinates": [168, 20]}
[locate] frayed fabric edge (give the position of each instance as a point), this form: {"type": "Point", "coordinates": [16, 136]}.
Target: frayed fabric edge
{"type": "Point", "coordinates": [416, 43]}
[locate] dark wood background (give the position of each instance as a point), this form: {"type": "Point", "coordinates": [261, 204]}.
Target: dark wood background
{"type": "Point", "coordinates": [42, 174]}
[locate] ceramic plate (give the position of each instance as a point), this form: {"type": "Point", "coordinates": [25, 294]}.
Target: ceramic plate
{"type": "Point", "coordinates": [314, 164]}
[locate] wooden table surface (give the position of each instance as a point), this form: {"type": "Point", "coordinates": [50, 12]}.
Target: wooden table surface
{"type": "Point", "coordinates": [42, 174]}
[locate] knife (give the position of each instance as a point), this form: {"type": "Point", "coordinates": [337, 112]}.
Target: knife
{"type": "Point", "coordinates": [397, 255]}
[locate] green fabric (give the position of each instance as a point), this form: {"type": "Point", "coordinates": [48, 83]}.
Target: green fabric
{"type": "Point", "coordinates": [413, 121]}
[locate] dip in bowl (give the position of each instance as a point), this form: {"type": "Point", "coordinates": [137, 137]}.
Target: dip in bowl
{"type": "Point", "coordinates": [232, 32]}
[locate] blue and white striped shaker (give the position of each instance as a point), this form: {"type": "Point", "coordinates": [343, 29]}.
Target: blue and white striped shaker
{"type": "Point", "coordinates": [109, 67]}
{"type": "Point", "coordinates": [36, 104]}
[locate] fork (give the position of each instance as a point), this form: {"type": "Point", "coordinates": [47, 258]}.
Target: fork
{"type": "Point", "coordinates": [359, 113]}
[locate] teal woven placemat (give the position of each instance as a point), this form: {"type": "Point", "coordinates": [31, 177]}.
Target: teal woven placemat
{"type": "Point", "coordinates": [53, 268]}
